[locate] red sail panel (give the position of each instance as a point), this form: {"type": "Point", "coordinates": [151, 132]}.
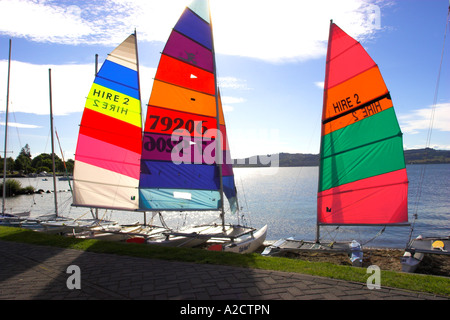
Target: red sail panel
{"type": "Point", "coordinates": [185, 75]}
{"type": "Point", "coordinates": [166, 121]}
{"type": "Point", "coordinates": [346, 58]}
{"type": "Point", "coordinates": [355, 203]}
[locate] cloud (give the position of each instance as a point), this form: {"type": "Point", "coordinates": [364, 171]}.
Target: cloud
{"type": "Point", "coordinates": [29, 87]}
{"type": "Point", "coordinates": [227, 100]}
{"type": "Point", "coordinates": [320, 84]}
{"type": "Point", "coordinates": [232, 100]}
{"type": "Point", "coordinates": [20, 125]}
{"type": "Point", "coordinates": [43, 21]}
{"type": "Point", "coordinates": [233, 83]}
{"type": "Point", "coordinates": [420, 119]}
{"type": "Point", "coordinates": [285, 30]}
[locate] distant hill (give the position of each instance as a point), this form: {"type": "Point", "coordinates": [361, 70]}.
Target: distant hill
{"type": "Point", "coordinates": [415, 156]}
{"type": "Point", "coordinates": [427, 155]}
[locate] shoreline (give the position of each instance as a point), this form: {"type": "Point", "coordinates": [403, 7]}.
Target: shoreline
{"type": "Point", "coordinates": [388, 259]}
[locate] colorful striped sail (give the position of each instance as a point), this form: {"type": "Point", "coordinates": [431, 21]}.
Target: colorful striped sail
{"type": "Point", "coordinates": [107, 158]}
{"type": "Point", "coordinates": [180, 169]}
{"type": "Point", "coordinates": [362, 176]}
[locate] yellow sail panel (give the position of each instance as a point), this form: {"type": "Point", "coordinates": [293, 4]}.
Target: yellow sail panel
{"type": "Point", "coordinates": [114, 104]}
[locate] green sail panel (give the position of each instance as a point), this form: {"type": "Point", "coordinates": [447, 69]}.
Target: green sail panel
{"type": "Point", "coordinates": [348, 155]}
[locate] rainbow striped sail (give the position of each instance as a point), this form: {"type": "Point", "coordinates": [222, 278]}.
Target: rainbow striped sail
{"type": "Point", "coordinates": [362, 177]}
{"type": "Point", "coordinates": [107, 158]}
{"type": "Point", "coordinates": [180, 169]}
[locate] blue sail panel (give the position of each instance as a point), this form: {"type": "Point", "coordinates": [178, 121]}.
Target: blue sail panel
{"type": "Point", "coordinates": [118, 78]}
{"type": "Point", "coordinates": [178, 199]}
{"type": "Point", "coordinates": [196, 28]}
{"type": "Point", "coordinates": [161, 174]}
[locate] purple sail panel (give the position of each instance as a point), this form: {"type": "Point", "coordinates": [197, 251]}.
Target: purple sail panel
{"type": "Point", "coordinates": [186, 149]}
{"type": "Point", "coordinates": [182, 48]}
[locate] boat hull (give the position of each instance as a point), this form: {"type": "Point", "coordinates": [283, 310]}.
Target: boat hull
{"type": "Point", "coordinates": [243, 245]}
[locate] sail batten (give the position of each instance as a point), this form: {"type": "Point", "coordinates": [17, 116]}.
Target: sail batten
{"type": "Point", "coordinates": [362, 172]}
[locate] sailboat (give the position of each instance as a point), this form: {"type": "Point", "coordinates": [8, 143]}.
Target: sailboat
{"type": "Point", "coordinates": [174, 165]}
{"type": "Point", "coordinates": [362, 171]}
{"type": "Point", "coordinates": [186, 162]}
{"type": "Point", "coordinates": [16, 217]}
{"type": "Point", "coordinates": [5, 217]}
{"type": "Point", "coordinates": [108, 153]}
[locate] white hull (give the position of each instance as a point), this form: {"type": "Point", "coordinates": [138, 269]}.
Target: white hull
{"type": "Point", "coordinates": [294, 246]}
{"type": "Point", "coordinates": [245, 245]}
{"type": "Point", "coordinates": [199, 235]}
{"type": "Point", "coordinates": [121, 233]}
{"type": "Point", "coordinates": [180, 241]}
{"type": "Point", "coordinates": [188, 238]}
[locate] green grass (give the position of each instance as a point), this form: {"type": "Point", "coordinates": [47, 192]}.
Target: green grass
{"type": "Point", "coordinates": [414, 282]}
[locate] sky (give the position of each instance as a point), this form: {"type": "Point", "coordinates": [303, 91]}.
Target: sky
{"type": "Point", "coordinates": [270, 63]}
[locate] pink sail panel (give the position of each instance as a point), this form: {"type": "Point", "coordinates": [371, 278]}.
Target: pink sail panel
{"type": "Point", "coordinates": [108, 156]}
{"type": "Point", "coordinates": [367, 201]}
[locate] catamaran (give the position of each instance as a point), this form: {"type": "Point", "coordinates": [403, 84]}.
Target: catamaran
{"type": "Point", "coordinates": [362, 171]}
{"type": "Point", "coordinates": [182, 161]}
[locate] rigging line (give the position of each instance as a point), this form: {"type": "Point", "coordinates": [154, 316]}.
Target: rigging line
{"type": "Point", "coordinates": [20, 144]}
{"type": "Point", "coordinates": [301, 170]}
{"type": "Point", "coordinates": [430, 129]}
{"type": "Point", "coordinates": [243, 192]}
{"type": "Point", "coordinates": [376, 236]}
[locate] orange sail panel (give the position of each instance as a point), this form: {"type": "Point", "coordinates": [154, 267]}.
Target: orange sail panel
{"type": "Point", "coordinates": [107, 158]}
{"type": "Point", "coordinates": [362, 175]}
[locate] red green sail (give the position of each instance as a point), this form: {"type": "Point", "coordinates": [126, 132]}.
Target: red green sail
{"type": "Point", "coordinates": [362, 175]}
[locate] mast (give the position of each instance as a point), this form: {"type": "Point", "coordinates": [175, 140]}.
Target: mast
{"type": "Point", "coordinates": [6, 129]}
{"type": "Point", "coordinates": [53, 144]}
{"type": "Point", "coordinates": [219, 153]}
{"type": "Point", "coordinates": [324, 104]}
{"type": "Point", "coordinates": [140, 101]}
{"type": "Point", "coordinates": [96, 64]}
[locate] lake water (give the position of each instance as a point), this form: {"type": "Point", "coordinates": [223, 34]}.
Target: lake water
{"type": "Point", "coordinates": [285, 200]}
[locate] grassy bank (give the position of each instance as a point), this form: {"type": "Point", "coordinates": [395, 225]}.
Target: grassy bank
{"type": "Point", "coordinates": [414, 282]}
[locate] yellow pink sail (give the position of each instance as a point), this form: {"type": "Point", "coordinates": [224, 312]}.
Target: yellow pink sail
{"type": "Point", "coordinates": [107, 158]}
{"type": "Point", "coordinates": [362, 176]}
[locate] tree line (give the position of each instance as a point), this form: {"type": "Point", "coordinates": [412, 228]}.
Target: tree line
{"type": "Point", "coordinates": [25, 165]}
